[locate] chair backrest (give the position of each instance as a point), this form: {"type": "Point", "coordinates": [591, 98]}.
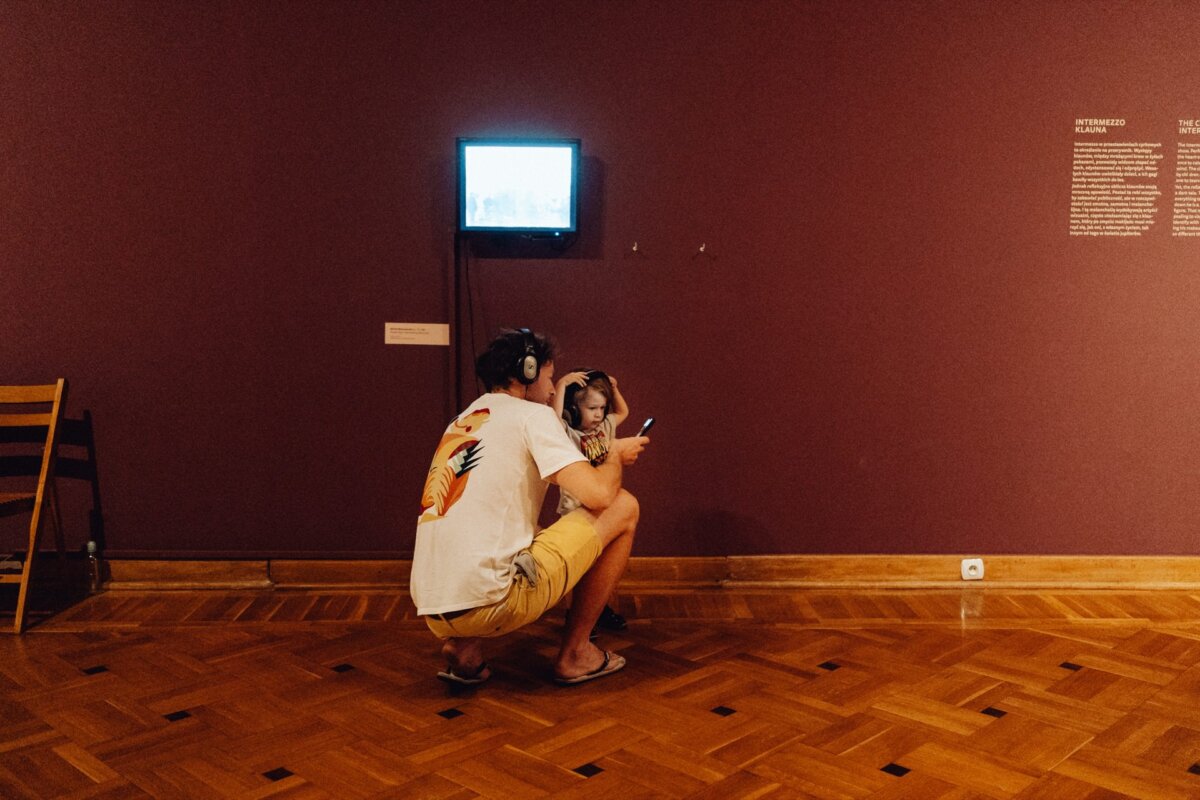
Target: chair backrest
{"type": "Point", "coordinates": [22, 451]}
{"type": "Point", "coordinates": [23, 439]}
{"type": "Point", "coordinates": [31, 415]}
{"type": "Point", "coordinates": [24, 432]}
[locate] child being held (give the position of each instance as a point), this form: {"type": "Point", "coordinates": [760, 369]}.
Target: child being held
{"type": "Point", "coordinates": [591, 406]}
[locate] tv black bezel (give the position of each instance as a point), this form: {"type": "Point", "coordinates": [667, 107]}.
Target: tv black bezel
{"type": "Point", "coordinates": [518, 141]}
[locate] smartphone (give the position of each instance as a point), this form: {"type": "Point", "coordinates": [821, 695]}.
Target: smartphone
{"type": "Point", "coordinates": [646, 427]}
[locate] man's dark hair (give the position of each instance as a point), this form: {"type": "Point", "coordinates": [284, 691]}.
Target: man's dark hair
{"type": "Point", "coordinates": [500, 361]}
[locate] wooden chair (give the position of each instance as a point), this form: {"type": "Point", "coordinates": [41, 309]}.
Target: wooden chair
{"type": "Point", "coordinates": [21, 429]}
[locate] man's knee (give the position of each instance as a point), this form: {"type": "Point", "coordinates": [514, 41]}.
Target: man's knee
{"type": "Point", "coordinates": [628, 509]}
{"type": "Point", "coordinates": [619, 519]}
{"type": "Point", "coordinates": [635, 509]}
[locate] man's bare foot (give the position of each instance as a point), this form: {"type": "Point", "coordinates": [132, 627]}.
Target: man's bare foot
{"type": "Point", "coordinates": [465, 660]}
{"type": "Point", "coordinates": [581, 662]}
{"type": "Point", "coordinates": [610, 662]}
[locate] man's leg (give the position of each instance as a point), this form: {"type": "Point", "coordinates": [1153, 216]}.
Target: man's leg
{"type": "Point", "coordinates": [615, 526]}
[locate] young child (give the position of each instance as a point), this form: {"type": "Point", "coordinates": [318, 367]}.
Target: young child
{"type": "Point", "coordinates": [591, 406]}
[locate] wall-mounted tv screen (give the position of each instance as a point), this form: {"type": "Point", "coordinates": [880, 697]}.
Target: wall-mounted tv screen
{"type": "Point", "coordinates": [524, 186]}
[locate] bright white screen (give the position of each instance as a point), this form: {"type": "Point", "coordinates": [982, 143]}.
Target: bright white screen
{"type": "Point", "coordinates": [507, 186]}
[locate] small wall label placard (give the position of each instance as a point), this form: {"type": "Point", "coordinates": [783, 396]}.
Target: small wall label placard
{"type": "Point", "coordinates": [416, 333]}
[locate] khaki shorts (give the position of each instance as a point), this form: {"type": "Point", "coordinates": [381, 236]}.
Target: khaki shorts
{"type": "Point", "coordinates": [563, 552]}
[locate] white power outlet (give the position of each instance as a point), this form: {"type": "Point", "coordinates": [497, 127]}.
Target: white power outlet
{"type": "Point", "coordinates": [972, 569]}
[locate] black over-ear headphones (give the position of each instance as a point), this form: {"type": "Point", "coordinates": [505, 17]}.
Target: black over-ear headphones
{"type": "Point", "coordinates": [527, 364]}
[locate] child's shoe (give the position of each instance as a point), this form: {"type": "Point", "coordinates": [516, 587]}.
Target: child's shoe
{"type": "Point", "coordinates": [611, 620]}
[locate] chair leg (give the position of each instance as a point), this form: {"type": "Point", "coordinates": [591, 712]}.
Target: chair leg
{"type": "Point", "coordinates": [22, 595]}
{"type": "Point", "coordinates": [35, 525]}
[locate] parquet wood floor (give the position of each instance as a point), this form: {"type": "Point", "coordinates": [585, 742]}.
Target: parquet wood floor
{"type": "Point", "coordinates": [938, 695]}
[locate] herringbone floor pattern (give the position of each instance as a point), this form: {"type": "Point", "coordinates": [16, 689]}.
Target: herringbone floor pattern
{"type": "Point", "coordinates": [788, 694]}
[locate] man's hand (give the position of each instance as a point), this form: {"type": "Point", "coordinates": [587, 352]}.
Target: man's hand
{"type": "Point", "coordinates": [628, 449]}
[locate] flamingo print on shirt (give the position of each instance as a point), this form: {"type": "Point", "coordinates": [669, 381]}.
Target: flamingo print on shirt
{"type": "Point", "coordinates": [456, 456]}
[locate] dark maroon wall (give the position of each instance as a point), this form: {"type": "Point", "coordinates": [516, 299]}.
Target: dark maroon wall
{"type": "Point", "coordinates": [890, 343]}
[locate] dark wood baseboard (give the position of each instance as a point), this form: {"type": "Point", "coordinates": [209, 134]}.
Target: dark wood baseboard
{"type": "Point", "coordinates": [733, 572]}
{"type": "Point", "coordinates": [187, 574]}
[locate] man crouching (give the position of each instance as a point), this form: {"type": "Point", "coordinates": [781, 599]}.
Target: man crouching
{"type": "Point", "coordinates": [481, 568]}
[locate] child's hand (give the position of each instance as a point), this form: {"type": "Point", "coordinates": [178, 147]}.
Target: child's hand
{"type": "Point", "coordinates": [579, 378]}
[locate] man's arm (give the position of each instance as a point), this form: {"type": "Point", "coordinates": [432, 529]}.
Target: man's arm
{"type": "Point", "coordinates": [594, 487]}
{"type": "Point", "coordinates": [597, 487]}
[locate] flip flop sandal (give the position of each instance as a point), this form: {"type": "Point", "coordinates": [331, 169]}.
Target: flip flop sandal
{"type": "Point", "coordinates": [450, 676]}
{"type": "Point", "coordinates": [612, 663]}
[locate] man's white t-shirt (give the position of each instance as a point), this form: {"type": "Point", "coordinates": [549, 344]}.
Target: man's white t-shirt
{"type": "Point", "coordinates": [482, 499]}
